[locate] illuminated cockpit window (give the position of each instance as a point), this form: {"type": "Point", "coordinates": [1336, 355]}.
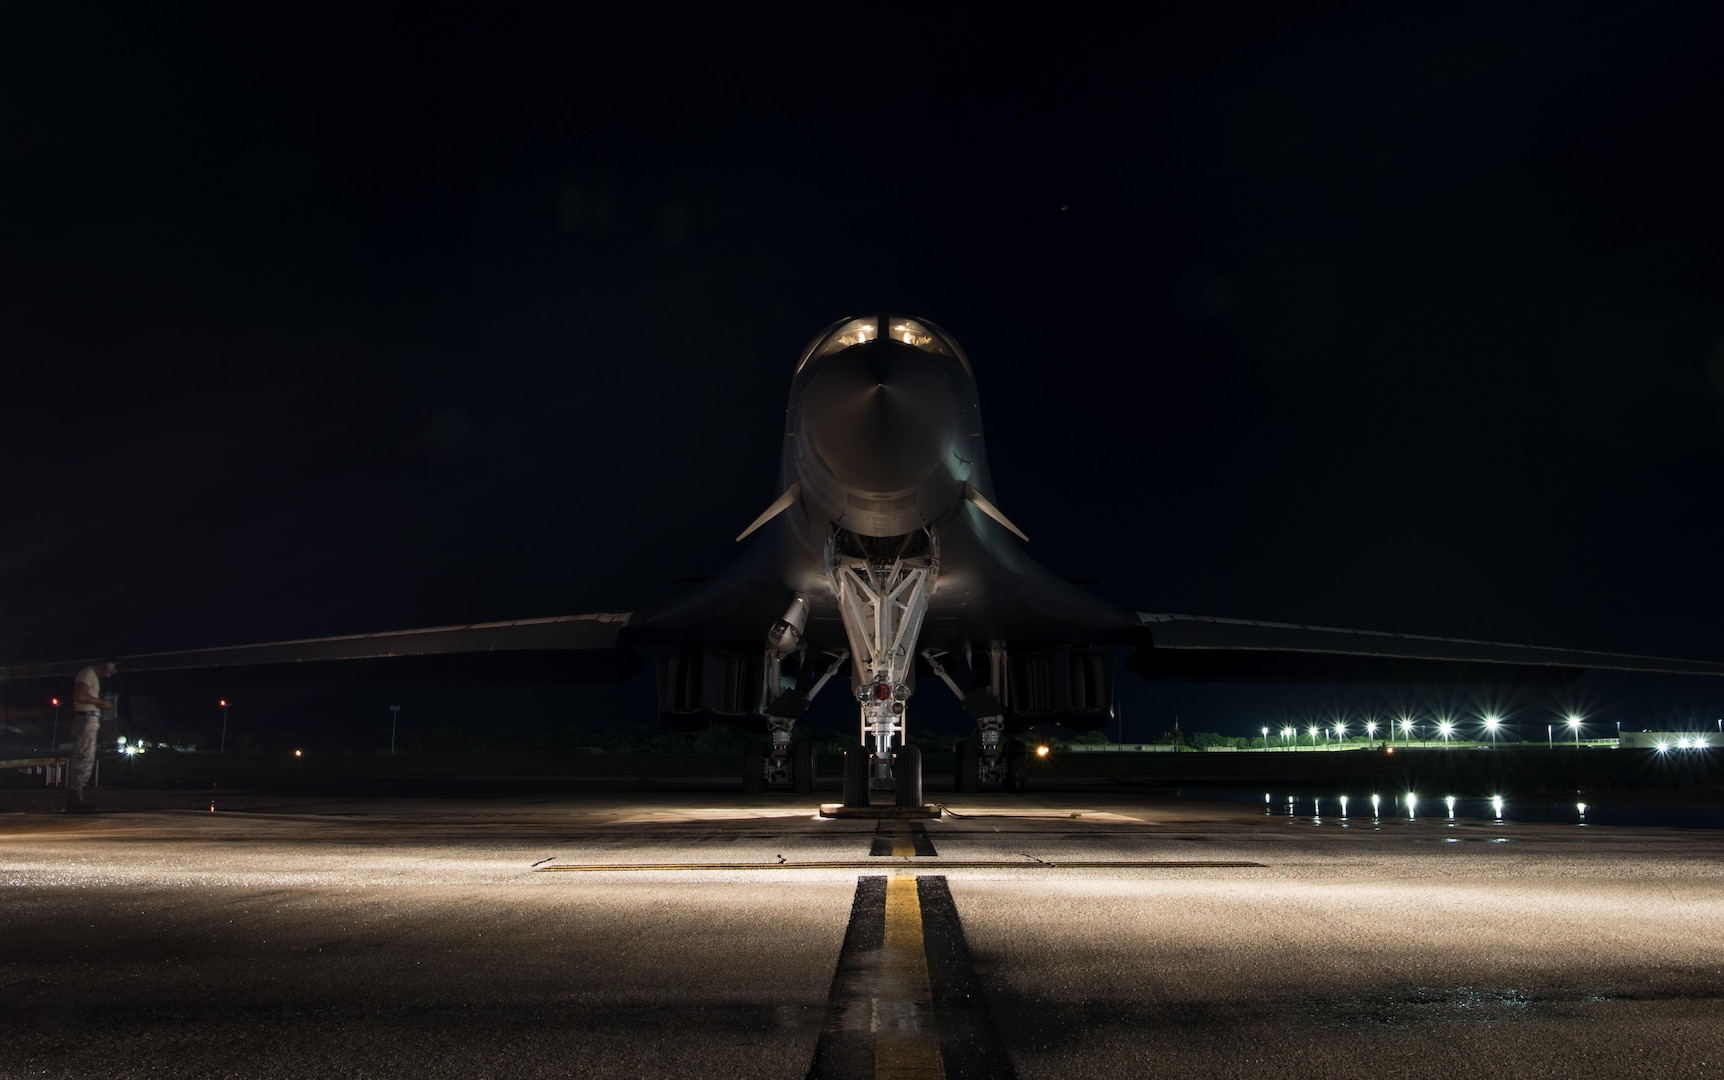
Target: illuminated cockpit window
{"type": "Point", "coordinates": [854, 332]}
{"type": "Point", "coordinates": [911, 332]}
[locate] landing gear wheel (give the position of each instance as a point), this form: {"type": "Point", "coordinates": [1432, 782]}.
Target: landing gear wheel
{"type": "Point", "coordinates": [802, 767]}
{"type": "Point", "coordinates": [753, 767]}
{"type": "Point", "coordinates": [856, 762]}
{"type": "Point", "coordinates": [907, 776]}
{"type": "Point", "coordinates": [969, 765]}
{"type": "Point", "coordinates": [1017, 766]}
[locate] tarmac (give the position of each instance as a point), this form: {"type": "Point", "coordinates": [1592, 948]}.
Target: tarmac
{"type": "Point", "coordinates": [699, 933]}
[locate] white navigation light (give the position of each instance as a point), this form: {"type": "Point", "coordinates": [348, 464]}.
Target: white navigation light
{"type": "Point", "coordinates": [1449, 801]}
{"type": "Point", "coordinates": [1412, 801]}
{"type": "Point", "coordinates": [1497, 805]}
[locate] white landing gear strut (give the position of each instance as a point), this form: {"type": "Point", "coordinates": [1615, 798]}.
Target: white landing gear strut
{"type": "Point", "coordinates": [882, 604]}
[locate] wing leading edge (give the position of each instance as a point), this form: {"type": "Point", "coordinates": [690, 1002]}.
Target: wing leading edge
{"type": "Point", "coordinates": [1204, 648]}
{"type": "Point", "coordinates": [591, 632]}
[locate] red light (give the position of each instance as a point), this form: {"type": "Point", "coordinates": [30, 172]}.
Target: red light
{"type": "Point", "coordinates": [54, 702]}
{"type": "Point", "coordinates": [222, 703]}
{"type": "Point", "coordinates": [882, 691]}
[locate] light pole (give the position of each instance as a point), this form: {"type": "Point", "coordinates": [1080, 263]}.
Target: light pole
{"type": "Point", "coordinates": [1549, 739]}
{"type": "Point", "coordinates": [1340, 733]}
{"type": "Point", "coordinates": [54, 739]}
{"type": "Point", "coordinates": [394, 715]}
{"type": "Point", "coordinates": [1447, 728]}
{"type": "Point", "coordinates": [1574, 722]}
{"type": "Point", "coordinates": [1406, 731]}
{"type": "Point", "coordinates": [1313, 736]}
{"type": "Point", "coordinates": [1371, 729]}
{"type": "Point", "coordinates": [1491, 725]}
{"type": "Point", "coordinates": [223, 704]}
{"type": "Point", "coordinates": [1287, 734]}
{"type": "Point", "coordinates": [1266, 737]}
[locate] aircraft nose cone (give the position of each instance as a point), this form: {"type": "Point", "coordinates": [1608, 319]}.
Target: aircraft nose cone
{"type": "Point", "coordinates": [880, 422]}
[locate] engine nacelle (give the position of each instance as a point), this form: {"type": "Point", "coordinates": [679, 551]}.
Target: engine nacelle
{"type": "Point", "coordinates": [1072, 687]}
{"type": "Point", "coordinates": [697, 687]}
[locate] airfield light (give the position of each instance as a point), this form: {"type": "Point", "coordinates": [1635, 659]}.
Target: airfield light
{"type": "Point", "coordinates": [1407, 728]}
{"type": "Point", "coordinates": [1447, 728]}
{"type": "Point", "coordinates": [1574, 723]}
{"type": "Point", "coordinates": [1340, 730]}
{"type": "Point", "coordinates": [1266, 737]}
{"type": "Point", "coordinates": [1491, 725]}
{"type": "Point", "coordinates": [54, 701]}
{"type": "Point", "coordinates": [1497, 805]}
{"type": "Point", "coordinates": [1376, 803]}
{"type": "Point", "coordinates": [131, 751]}
{"type": "Point", "coordinates": [1042, 751]}
{"type": "Point", "coordinates": [1663, 748]}
{"type": "Point", "coordinates": [1343, 806]}
{"type": "Point", "coordinates": [1371, 729]}
{"type": "Point", "coordinates": [1286, 734]}
{"type": "Point", "coordinates": [299, 753]}
{"type": "Point", "coordinates": [1581, 807]}
{"type": "Point", "coordinates": [223, 704]}
{"type": "Point", "coordinates": [1412, 801]}
{"type": "Point", "coordinates": [1313, 736]}
{"type": "Point", "coordinates": [1449, 801]}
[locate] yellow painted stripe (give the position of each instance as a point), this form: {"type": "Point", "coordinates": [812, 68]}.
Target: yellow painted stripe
{"type": "Point", "coordinates": [903, 1047]}
{"type": "Point", "coordinates": [902, 846]}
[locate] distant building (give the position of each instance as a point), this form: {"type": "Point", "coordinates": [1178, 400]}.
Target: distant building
{"type": "Point", "coordinates": [1667, 740]}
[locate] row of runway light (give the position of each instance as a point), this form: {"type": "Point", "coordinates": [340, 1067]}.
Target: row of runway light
{"type": "Point", "coordinates": [1409, 801]}
{"type": "Point", "coordinates": [1447, 729]}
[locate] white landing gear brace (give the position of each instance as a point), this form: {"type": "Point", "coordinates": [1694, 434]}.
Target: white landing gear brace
{"type": "Point", "coordinates": [882, 602]}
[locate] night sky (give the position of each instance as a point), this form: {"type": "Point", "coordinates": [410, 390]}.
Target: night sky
{"type": "Point", "coordinates": [1362, 316]}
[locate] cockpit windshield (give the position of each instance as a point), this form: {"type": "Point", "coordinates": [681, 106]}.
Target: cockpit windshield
{"type": "Point", "coordinates": [854, 332]}
{"type": "Point", "coordinates": [915, 332]}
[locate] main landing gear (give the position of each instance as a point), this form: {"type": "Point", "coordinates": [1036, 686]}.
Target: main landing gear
{"type": "Point", "coordinates": [986, 757]}
{"type": "Point", "coordinates": [760, 768]}
{"type": "Point", "coordinates": [784, 699]}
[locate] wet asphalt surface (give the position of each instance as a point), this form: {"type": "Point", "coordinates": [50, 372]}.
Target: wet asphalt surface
{"type": "Point", "coordinates": [300, 936]}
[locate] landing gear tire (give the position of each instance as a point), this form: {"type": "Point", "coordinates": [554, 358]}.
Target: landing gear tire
{"type": "Point", "coordinates": [1017, 767]}
{"type": "Point", "coordinates": [754, 768]}
{"type": "Point", "coordinates": [802, 767]}
{"type": "Point", "coordinates": [907, 776]}
{"type": "Point", "coordinates": [857, 759]}
{"type": "Point", "coordinates": [969, 765]}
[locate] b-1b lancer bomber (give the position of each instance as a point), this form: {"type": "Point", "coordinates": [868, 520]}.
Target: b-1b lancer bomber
{"type": "Point", "coordinates": [884, 556]}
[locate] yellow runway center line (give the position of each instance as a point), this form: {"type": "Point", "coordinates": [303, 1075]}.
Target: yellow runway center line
{"type": "Point", "coordinates": [904, 848]}
{"type": "Point", "coordinates": [904, 1048]}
